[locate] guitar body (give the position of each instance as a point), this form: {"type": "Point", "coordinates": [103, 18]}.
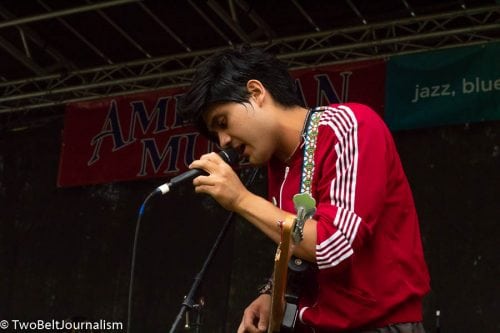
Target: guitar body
{"type": "Point", "coordinates": [297, 269]}
{"type": "Point", "coordinates": [284, 301]}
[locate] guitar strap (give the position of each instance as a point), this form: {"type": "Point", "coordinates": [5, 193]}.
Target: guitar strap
{"type": "Point", "coordinates": [310, 137]}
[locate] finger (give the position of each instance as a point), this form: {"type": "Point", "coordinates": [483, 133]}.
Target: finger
{"type": "Point", "coordinates": [200, 164]}
{"type": "Point", "coordinates": [204, 189]}
{"type": "Point", "coordinates": [213, 157]}
{"type": "Point", "coordinates": [241, 329]}
{"type": "Point", "coordinates": [208, 162]}
{"type": "Point", "coordinates": [203, 180]}
{"type": "Point", "coordinates": [248, 324]}
{"type": "Point", "coordinates": [262, 325]}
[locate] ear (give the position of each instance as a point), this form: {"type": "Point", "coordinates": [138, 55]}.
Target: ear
{"type": "Point", "coordinates": [257, 91]}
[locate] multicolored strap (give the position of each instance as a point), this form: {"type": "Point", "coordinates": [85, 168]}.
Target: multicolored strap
{"type": "Point", "coordinates": [311, 134]}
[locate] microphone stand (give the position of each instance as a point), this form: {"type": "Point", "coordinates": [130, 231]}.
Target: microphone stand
{"type": "Point", "coordinates": [189, 302]}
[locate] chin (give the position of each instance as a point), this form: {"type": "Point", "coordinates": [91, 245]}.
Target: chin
{"type": "Point", "coordinates": [257, 160]}
{"type": "Point", "coordinates": [257, 163]}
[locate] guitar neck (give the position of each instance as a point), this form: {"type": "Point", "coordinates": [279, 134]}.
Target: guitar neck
{"type": "Point", "coordinates": [283, 255]}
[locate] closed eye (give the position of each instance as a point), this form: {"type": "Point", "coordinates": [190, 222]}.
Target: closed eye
{"type": "Point", "coordinates": [216, 124]}
{"type": "Point", "coordinates": [220, 123]}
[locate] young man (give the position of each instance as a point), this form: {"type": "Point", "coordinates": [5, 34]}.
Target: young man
{"type": "Point", "coordinates": [364, 239]}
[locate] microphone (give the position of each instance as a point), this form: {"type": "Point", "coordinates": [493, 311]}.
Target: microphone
{"type": "Point", "coordinates": [230, 156]}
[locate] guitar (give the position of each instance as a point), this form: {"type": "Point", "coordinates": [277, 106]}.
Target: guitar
{"type": "Point", "coordinates": [284, 311]}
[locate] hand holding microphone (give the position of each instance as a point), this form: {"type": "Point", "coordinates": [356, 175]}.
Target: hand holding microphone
{"type": "Point", "coordinates": [229, 156]}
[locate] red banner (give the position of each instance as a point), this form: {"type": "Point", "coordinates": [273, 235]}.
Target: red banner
{"type": "Point", "coordinates": [124, 138]}
{"type": "Point", "coordinates": [139, 136]}
{"type": "Point", "coordinates": [361, 82]}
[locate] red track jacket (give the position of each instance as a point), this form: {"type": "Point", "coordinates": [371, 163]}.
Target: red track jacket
{"type": "Point", "coordinates": [370, 268]}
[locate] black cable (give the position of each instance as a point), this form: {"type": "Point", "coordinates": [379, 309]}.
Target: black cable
{"type": "Point", "coordinates": [134, 251]}
{"type": "Point", "coordinates": [136, 236]}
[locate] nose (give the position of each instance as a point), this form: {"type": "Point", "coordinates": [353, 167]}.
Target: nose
{"type": "Point", "coordinates": [224, 139]}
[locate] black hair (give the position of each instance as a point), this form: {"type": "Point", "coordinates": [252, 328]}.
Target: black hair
{"type": "Point", "coordinates": [223, 78]}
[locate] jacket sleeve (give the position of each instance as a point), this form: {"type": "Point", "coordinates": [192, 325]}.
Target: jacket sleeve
{"type": "Point", "coordinates": [350, 180]}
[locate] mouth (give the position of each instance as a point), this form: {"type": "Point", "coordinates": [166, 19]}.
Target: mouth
{"type": "Point", "coordinates": [244, 156]}
{"type": "Point", "coordinates": [241, 150]}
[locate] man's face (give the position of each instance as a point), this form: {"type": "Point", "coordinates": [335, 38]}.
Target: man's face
{"type": "Point", "coordinates": [245, 127]}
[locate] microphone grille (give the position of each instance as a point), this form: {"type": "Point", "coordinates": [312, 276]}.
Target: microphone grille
{"type": "Point", "coordinates": [229, 156]}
